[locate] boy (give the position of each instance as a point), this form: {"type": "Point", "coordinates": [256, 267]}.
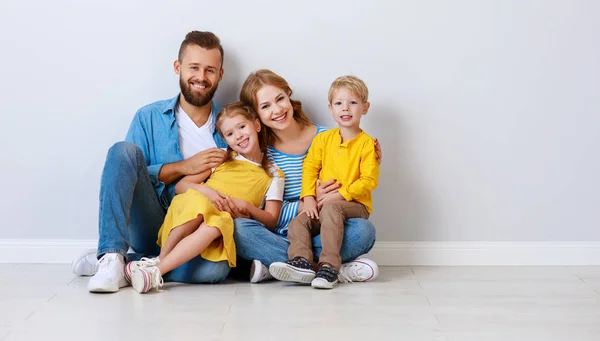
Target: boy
{"type": "Point", "coordinates": [346, 154]}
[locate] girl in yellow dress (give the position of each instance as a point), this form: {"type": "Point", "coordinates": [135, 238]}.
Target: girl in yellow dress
{"type": "Point", "coordinates": [196, 222]}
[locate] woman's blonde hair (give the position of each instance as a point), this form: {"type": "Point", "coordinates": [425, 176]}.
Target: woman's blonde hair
{"type": "Point", "coordinates": [255, 81]}
{"type": "Point", "coordinates": [241, 108]}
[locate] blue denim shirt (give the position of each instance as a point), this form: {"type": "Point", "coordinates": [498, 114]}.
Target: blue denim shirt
{"type": "Point", "coordinates": [154, 130]}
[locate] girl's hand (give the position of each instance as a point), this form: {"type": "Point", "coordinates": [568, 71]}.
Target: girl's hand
{"type": "Point", "coordinates": [310, 207]}
{"type": "Point", "coordinates": [378, 153]}
{"type": "Point", "coordinates": [326, 187]}
{"type": "Point", "coordinates": [215, 197]}
{"type": "Point", "coordinates": [330, 197]}
{"type": "Point", "coordinates": [239, 208]}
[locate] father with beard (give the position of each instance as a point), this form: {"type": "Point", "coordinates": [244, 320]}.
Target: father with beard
{"type": "Point", "coordinates": [167, 140]}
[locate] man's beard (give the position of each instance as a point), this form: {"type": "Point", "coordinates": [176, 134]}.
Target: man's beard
{"type": "Point", "coordinates": [194, 99]}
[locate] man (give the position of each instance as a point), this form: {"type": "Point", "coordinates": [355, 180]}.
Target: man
{"type": "Point", "coordinates": [166, 140]}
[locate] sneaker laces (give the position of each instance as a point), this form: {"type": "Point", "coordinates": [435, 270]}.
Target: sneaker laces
{"type": "Point", "coordinates": [104, 263]}
{"type": "Point", "coordinates": [156, 280]}
{"type": "Point", "coordinates": [148, 262]}
{"type": "Point", "coordinates": [350, 271]}
{"type": "Point", "coordinates": [344, 279]}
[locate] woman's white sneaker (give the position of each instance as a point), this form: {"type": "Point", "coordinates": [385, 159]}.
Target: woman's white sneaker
{"type": "Point", "coordinates": [359, 270]}
{"type": "Point", "coordinates": [259, 272]}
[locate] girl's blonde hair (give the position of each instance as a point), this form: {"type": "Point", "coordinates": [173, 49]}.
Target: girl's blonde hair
{"type": "Point", "coordinates": [255, 81]}
{"type": "Point", "coordinates": [240, 108]}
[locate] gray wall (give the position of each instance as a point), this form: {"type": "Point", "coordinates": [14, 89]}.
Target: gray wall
{"type": "Point", "coordinates": [488, 111]}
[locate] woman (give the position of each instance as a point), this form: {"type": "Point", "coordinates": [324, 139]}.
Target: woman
{"type": "Point", "coordinates": [289, 133]}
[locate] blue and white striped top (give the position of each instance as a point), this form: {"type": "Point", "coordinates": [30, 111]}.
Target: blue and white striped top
{"type": "Point", "coordinates": [291, 165]}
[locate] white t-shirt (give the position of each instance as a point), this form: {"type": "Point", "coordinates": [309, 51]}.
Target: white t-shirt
{"type": "Point", "coordinates": [275, 191]}
{"type": "Point", "coordinates": [194, 139]}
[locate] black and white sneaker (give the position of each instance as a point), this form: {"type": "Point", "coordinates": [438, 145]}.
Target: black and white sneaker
{"type": "Point", "coordinates": [326, 278]}
{"type": "Point", "coordinates": [297, 270]}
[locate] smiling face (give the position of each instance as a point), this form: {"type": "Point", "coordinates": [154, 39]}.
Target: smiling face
{"type": "Point", "coordinates": [347, 108]}
{"type": "Point", "coordinates": [241, 134]}
{"type": "Point", "coordinates": [274, 107]}
{"type": "Point", "coordinates": [199, 72]}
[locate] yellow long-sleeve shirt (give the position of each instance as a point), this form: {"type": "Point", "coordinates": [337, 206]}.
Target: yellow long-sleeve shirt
{"type": "Point", "coordinates": [352, 163]}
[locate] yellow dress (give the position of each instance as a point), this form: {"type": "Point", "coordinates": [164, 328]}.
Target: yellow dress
{"type": "Point", "coordinates": [240, 179]}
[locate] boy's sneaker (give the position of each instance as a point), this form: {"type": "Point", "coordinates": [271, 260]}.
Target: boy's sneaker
{"type": "Point", "coordinates": [259, 272]}
{"type": "Point", "coordinates": [145, 279]}
{"type": "Point", "coordinates": [142, 263]}
{"type": "Point", "coordinates": [359, 270]}
{"type": "Point", "coordinates": [85, 264]}
{"type": "Point", "coordinates": [110, 274]}
{"type": "Point", "coordinates": [297, 270]}
{"type": "Point", "coordinates": [327, 278]}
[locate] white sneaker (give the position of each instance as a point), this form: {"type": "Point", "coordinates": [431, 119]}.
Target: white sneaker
{"type": "Point", "coordinates": [259, 272]}
{"type": "Point", "coordinates": [142, 263]}
{"type": "Point", "coordinates": [359, 270]}
{"type": "Point", "coordinates": [110, 276]}
{"type": "Point", "coordinates": [145, 279]}
{"type": "Point", "coordinates": [85, 264]}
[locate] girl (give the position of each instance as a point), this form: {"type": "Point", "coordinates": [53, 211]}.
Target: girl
{"type": "Point", "coordinates": [196, 222]}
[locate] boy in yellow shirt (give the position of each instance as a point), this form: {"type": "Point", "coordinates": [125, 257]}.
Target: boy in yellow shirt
{"type": "Point", "coordinates": [346, 154]}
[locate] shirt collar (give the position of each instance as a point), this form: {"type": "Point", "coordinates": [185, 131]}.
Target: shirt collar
{"type": "Point", "coordinates": [345, 144]}
{"type": "Point", "coordinates": [173, 103]}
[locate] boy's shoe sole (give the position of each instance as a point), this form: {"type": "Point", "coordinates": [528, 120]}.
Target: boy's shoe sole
{"type": "Point", "coordinates": [287, 273]}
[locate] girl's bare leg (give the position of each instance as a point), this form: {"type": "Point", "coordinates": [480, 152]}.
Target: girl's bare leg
{"type": "Point", "coordinates": [178, 233]}
{"type": "Point", "coordinates": [189, 247]}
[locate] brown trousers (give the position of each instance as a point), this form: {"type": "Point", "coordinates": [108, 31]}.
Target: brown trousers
{"type": "Point", "coordinates": [331, 227]}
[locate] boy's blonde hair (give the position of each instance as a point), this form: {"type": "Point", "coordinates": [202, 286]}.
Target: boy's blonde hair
{"type": "Point", "coordinates": [352, 84]}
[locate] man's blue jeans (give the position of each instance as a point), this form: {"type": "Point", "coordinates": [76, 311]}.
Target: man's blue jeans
{"type": "Point", "coordinates": [131, 215]}
{"type": "Point", "coordinates": [254, 241]}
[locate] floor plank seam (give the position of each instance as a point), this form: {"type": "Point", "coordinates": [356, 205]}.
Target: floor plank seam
{"type": "Point", "coordinates": [50, 299]}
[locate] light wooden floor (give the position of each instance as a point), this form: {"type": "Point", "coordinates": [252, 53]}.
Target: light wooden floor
{"type": "Point", "coordinates": [46, 302]}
